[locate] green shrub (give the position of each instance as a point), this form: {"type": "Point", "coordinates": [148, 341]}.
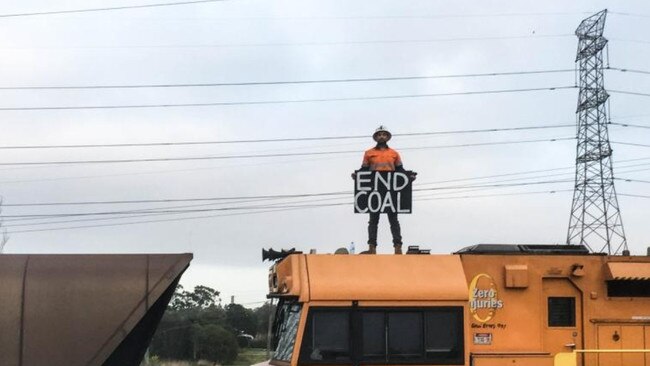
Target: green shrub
{"type": "Point", "coordinates": [216, 344]}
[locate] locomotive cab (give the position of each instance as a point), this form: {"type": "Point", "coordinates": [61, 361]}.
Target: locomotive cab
{"type": "Point", "coordinates": [379, 310]}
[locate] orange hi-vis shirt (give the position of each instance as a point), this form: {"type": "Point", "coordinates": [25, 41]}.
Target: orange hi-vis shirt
{"type": "Point", "coordinates": [381, 160]}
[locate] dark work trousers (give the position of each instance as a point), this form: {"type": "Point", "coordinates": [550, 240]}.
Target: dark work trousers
{"type": "Point", "coordinates": [394, 228]}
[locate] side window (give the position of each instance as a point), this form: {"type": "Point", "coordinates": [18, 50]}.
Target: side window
{"type": "Point", "coordinates": [405, 338]}
{"type": "Point", "coordinates": [431, 336]}
{"type": "Point", "coordinates": [327, 336]}
{"type": "Point", "coordinates": [373, 336]}
{"type": "Point", "coordinates": [444, 336]}
{"type": "Point", "coordinates": [628, 288]}
{"type": "Point", "coordinates": [561, 312]}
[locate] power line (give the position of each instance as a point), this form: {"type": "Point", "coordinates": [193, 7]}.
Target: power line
{"type": "Point", "coordinates": [629, 93]}
{"type": "Point", "coordinates": [419, 198]}
{"type": "Point", "coordinates": [150, 221]}
{"type": "Point", "coordinates": [201, 199]}
{"type": "Point", "coordinates": [107, 8]}
{"type": "Point", "coordinates": [630, 40]}
{"type": "Point", "coordinates": [293, 44]}
{"type": "Point", "coordinates": [182, 218]}
{"type": "Point", "coordinates": [158, 211]}
{"type": "Point", "coordinates": [152, 212]}
{"type": "Point", "coordinates": [535, 171]}
{"type": "Point", "coordinates": [275, 155]}
{"type": "Point", "coordinates": [630, 14]}
{"type": "Point", "coordinates": [284, 82]}
{"type": "Point", "coordinates": [628, 125]}
{"type": "Point", "coordinates": [432, 16]}
{"type": "Point", "coordinates": [174, 209]}
{"type": "Point", "coordinates": [315, 138]}
{"type": "Point", "coordinates": [292, 82]}
{"type": "Point", "coordinates": [629, 70]}
{"type": "Point", "coordinates": [497, 185]}
{"type": "Point", "coordinates": [629, 144]}
{"type": "Point", "coordinates": [208, 167]}
{"type": "Point", "coordinates": [294, 101]}
{"type": "Point", "coordinates": [633, 195]}
{"type": "Point", "coordinates": [633, 180]}
{"type": "Point", "coordinates": [495, 195]}
{"type": "Point", "coordinates": [301, 195]}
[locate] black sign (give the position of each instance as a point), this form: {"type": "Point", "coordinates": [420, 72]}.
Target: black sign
{"type": "Point", "coordinates": [382, 192]}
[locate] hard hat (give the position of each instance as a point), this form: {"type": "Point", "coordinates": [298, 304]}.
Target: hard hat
{"type": "Point", "coordinates": [379, 129]}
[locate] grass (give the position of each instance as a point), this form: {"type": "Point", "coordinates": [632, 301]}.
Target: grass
{"type": "Point", "coordinates": [247, 357]}
{"type": "Point", "coordinates": [250, 356]}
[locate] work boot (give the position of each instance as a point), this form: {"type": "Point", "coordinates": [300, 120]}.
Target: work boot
{"type": "Point", "coordinates": [372, 248]}
{"type": "Point", "coordinates": [398, 249]}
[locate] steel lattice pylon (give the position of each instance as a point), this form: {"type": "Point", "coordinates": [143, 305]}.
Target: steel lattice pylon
{"type": "Point", "coordinates": [595, 216]}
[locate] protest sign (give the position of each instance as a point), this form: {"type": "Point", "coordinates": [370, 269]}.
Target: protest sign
{"type": "Point", "coordinates": [382, 192]}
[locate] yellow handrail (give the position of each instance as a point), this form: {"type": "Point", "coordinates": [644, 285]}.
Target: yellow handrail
{"type": "Point", "coordinates": [570, 358]}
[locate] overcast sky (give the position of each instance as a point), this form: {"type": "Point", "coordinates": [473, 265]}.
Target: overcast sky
{"type": "Point", "coordinates": [268, 41]}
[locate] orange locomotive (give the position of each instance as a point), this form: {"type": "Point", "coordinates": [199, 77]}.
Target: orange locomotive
{"type": "Point", "coordinates": [487, 305]}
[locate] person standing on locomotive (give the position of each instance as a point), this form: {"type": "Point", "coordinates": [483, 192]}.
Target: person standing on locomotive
{"type": "Point", "coordinates": [382, 158]}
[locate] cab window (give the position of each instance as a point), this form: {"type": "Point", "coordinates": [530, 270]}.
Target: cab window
{"type": "Point", "coordinates": [328, 336]}
{"type": "Point", "coordinates": [285, 328]}
{"type": "Point", "coordinates": [432, 336]}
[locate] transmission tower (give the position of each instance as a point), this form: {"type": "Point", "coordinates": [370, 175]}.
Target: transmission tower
{"type": "Point", "coordinates": [595, 216]}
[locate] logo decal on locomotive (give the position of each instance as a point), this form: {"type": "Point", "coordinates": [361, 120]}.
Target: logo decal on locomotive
{"type": "Point", "coordinates": [483, 298]}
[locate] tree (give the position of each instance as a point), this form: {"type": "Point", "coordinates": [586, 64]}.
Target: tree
{"type": "Point", "coordinates": [241, 319]}
{"type": "Point", "coordinates": [263, 314]}
{"type": "Point", "coordinates": [216, 344]}
{"type": "Point", "coordinates": [202, 297]}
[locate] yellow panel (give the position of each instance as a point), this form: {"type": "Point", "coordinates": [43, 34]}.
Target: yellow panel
{"type": "Point", "coordinates": [565, 359]}
{"type": "Point", "coordinates": [607, 340]}
{"type": "Point", "coordinates": [632, 338]}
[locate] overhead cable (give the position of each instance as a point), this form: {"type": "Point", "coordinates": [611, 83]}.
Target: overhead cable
{"type": "Point", "coordinates": [310, 43]}
{"type": "Point", "coordinates": [629, 144]}
{"type": "Point", "coordinates": [120, 217]}
{"type": "Point", "coordinates": [288, 101]}
{"type": "Point", "coordinates": [229, 199]}
{"type": "Point", "coordinates": [297, 82]}
{"type": "Point", "coordinates": [633, 180]}
{"type": "Point", "coordinates": [200, 199]}
{"type": "Point", "coordinates": [629, 92]}
{"type": "Point", "coordinates": [629, 14]}
{"type": "Point", "coordinates": [72, 11]}
{"type": "Point", "coordinates": [633, 195]}
{"type": "Point", "coordinates": [628, 125]}
{"type": "Point", "coordinates": [423, 16]}
{"type": "Point", "coordinates": [182, 218]}
{"type": "Point", "coordinates": [284, 82]}
{"type": "Point", "coordinates": [629, 70]}
{"type": "Point", "coordinates": [314, 138]}
{"type": "Point", "coordinates": [275, 155]}
{"type": "Point", "coordinates": [98, 213]}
